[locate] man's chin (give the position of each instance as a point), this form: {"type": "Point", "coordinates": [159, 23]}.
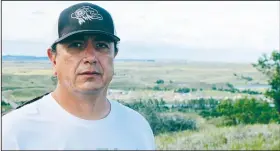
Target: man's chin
{"type": "Point", "coordinates": [90, 91]}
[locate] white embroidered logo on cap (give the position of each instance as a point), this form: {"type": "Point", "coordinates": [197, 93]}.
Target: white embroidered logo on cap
{"type": "Point", "coordinates": [86, 13]}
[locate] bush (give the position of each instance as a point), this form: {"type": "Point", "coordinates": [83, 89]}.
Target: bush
{"type": "Point", "coordinates": [163, 124]}
{"type": "Point", "coordinates": [203, 103]}
{"type": "Point", "coordinates": [210, 113]}
{"type": "Point", "coordinates": [177, 123]}
{"type": "Point", "coordinates": [194, 89]}
{"type": "Point", "coordinates": [160, 81]}
{"type": "Point", "coordinates": [160, 124]}
{"type": "Point", "coordinates": [232, 89]}
{"type": "Point", "coordinates": [183, 90]}
{"type": "Point", "coordinates": [4, 103]}
{"type": "Point", "coordinates": [160, 88]}
{"type": "Point", "coordinates": [214, 87]}
{"type": "Point", "coordinates": [230, 86]}
{"type": "Point", "coordinates": [5, 107]}
{"type": "Point", "coordinates": [250, 92]}
{"type": "Point", "coordinates": [156, 88]}
{"type": "Point", "coordinates": [244, 111]}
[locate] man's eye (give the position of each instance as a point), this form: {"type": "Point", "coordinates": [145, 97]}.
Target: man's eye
{"type": "Point", "coordinates": [79, 45]}
{"type": "Point", "coordinates": [102, 45]}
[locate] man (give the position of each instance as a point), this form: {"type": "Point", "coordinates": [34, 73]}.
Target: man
{"type": "Point", "coordinates": [77, 115]}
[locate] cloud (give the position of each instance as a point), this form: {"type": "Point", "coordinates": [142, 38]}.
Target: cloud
{"type": "Point", "coordinates": [230, 25]}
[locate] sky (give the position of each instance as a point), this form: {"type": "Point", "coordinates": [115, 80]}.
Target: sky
{"type": "Point", "coordinates": [190, 30]}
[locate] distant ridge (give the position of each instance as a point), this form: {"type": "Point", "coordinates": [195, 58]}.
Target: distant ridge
{"type": "Point", "coordinates": [22, 58]}
{"type": "Point", "coordinates": [34, 58]}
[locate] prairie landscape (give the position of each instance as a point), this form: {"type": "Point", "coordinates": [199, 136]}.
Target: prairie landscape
{"type": "Point", "coordinates": [219, 89]}
{"type": "Point", "coordinates": [24, 80]}
{"type": "Point", "coordinates": [177, 97]}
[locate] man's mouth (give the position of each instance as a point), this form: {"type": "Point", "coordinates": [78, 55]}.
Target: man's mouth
{"type": "Point", "coordinates": [90, 73]}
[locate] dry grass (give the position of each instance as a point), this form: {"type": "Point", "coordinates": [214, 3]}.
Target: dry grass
{"type": "Point", "coordinates": [249, 137]}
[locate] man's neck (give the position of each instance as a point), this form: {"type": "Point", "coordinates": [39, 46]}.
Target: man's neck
{"type": "Point", "coordinates": [85, 106]}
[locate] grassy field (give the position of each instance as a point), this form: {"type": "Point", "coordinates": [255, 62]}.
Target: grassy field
{"type": "Point", "coordinates": [243, 137]}
{"type": "Point", "coordinates": [22, 81]}
{"type": "Point", "coordinates": [211, 136]}
{"type": "Point", "coordinates": [134, 77]}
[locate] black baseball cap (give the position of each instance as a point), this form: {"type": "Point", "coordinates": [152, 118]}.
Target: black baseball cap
{"type": "Point", "coordinates": [85, 18]}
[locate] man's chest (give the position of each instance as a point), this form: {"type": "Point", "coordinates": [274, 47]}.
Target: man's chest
{"type": "Point", "coordinates": [79, 137]}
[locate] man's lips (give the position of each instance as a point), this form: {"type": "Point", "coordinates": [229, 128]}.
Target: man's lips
{"type": "Point", "coordinates": [90, 73]}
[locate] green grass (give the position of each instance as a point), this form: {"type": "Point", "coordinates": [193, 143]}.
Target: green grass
{"type": "Point", "coordinates": [27, 94]}
{"type": "Point", "coordinates": [258, 137]}
{"type": "Point", "coordinates": [6, 108]}
{"type": "Point", "coordinates": [23, 81]}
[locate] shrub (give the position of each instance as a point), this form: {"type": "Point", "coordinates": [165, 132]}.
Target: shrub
{"type": "Point", "coordinates": [194, 89]}
{"type": "Point", "coordinates": [230, 86]}
{"type": "Point", "coordinates": [177, 123]}
{"type": "Point", "coordinates": [4, 103]}
{"type": "Point", "coordinates": [183, 90]}
{"type": "Point", "coordinates": [160, 124]}
{"type": "Point", "coordinates": [244, 111]}
{"type": "Point", "coordinates": [203, 103]}
{"type": "Point", "coordinates": [156, 88]}
{"type": "Point", "coordinates": [160, 81]}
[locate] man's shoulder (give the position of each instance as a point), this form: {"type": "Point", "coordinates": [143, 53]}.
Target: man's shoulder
{"type": "Point", "coordinates": [18, 115]}
{"type": "Point", "coordinates": [19, 120]}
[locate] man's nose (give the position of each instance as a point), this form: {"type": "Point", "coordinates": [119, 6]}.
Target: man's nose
{"type": "Point", "coordinates": [90, 53]}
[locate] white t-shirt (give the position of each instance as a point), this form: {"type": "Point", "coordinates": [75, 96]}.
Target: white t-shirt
{"type": "Point", "coordinates": [45, 125]}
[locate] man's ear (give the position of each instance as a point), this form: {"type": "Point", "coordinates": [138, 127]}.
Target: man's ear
{"type": "Point", "coordinates": [116, 49]}
{"type": "Point", "coordinates": [52, 56]}
{"type": "Point", "coordinates": [115, 53]}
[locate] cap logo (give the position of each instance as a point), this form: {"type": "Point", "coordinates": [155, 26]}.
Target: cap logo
{"type": "Point", "coordinates": [86, 13]}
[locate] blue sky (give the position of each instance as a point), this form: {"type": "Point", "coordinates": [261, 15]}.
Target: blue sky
{"type": "Point", "coordinates": [222, 30]}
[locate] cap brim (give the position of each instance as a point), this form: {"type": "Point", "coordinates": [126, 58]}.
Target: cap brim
{"type": "Point", "coordinates": [114, 38]}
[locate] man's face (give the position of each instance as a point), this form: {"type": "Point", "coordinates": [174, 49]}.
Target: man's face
{"type": "Point", "coordinates": [84, 64]}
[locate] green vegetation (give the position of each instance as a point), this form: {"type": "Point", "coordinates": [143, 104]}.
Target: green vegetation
{"type": "Point", "coordinates": [160, 88]}
{"type": "Point", "coordinates": [241, 77]}
{"type": "Point", "coordinates": [232, 89]}
{"type": "Point", "coordinates": [244, 111]}
{"type": "Point", "coordinates": [183, 90]}
{"type": "Point", "coordinates": [242, 137]}
{"type": "Point", "coordinates": [160, 81]}
{"type": "Point", "coordinates": [270, 66]}
{"type": "Point", "coordinates": [185, 103]}
{"type": "Point", "coordinates": [224, 129]}
{"type": "Point", "coordinates": [161, 123]}
{"type": "Point", "coordinates": [5, 106]}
